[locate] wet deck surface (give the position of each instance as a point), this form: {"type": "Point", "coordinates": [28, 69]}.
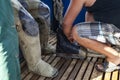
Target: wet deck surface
{"type": "Point", "coordinates": [70, 69]}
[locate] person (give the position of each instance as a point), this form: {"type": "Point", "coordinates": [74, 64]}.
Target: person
{"type": "Point", "coordinates": [107, 15]}
{"type": "Point", "coordinates": [26, 13]}
{"type": "Point", "coordinates": [9, 60]}
{"type": "Point", "coordinates": [41, 13]}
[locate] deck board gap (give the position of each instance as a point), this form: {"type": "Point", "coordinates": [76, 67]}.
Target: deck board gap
{"type": "Point", "coordinates": [62, 69]}
{"type": "Point", "coordinates": [88, 62]}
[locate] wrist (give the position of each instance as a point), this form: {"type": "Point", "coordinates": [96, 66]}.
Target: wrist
{"type": "Point", "coordinates": [67, 28]}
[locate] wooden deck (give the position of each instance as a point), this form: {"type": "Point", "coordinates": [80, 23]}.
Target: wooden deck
{"type": "Point", "coordinates": [70, 69]}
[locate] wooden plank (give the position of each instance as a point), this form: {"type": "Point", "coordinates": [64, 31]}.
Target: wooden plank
{"type": "Point", "coordinates": [75, 70]}
{"type": "Point", "coordinates": [96, 75]}
{"type": "Point", "coordinates": [89, 69]}
{"type": "Point", "coordinates": [107, 76]}
{"type": "Point", "coordinates": [35, 77]}
{"type": "Point", "coordinates": [24, 68]}
{"type": "Point", "coordinates": [51, 59]}
{"type": "Point", "coordinates": [69, 70]}
{"type": "Point", "coordinates": [63, 68]}
{"type": "Point", "coordinates": [46, 58]}
{"type": "Point", "coordinates": [83, 69]}
{"type": "Point", "coordinates": [55, 61]}
{"type": "Point", "coordinates": [22, 64]}
{"type": "Point", "coordinates": [26, 72]}
{"type": "Point", "coordinates": [52, 40]}
{"type": "Point", "coordinates": [115, 75]}
{"type": "Point", "coordinates": [51, 36]}
{"type": "Point", "coordinates": [28, 77]}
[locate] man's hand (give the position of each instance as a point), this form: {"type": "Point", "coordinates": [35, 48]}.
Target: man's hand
{"type": "Point", "coordinates": [68, 33]}
{"type": "Point", "coordinates": [70, 38]}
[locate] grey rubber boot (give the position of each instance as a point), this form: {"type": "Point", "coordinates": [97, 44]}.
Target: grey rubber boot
{"type": "Point", "coordinates": [41, 13]}
{"type": "Point", "coordinates": [30, 45]}
{"type": "Point", "coordinates": [44, 36]}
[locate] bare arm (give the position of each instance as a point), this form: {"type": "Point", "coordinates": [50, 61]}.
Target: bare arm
{"type": "Point", "coordinates": [73, 10]}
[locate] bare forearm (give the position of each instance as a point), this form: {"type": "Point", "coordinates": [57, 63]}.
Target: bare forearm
{"type": "Point", "coordinates": [72, 12]}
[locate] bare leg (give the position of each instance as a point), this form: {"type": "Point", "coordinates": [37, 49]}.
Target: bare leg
{"type": "Point", "coordinates": [109, 52]}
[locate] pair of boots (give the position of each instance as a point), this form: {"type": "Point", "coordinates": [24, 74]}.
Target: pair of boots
{"type": "Point", "coordinates": [29, 38]}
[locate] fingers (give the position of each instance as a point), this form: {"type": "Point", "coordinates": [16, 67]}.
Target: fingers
{"type": "Point", "coordinates": [70, 38]}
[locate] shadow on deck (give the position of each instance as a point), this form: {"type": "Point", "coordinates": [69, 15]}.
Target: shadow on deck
{"type": "Point", "coordinates": [70, 69]}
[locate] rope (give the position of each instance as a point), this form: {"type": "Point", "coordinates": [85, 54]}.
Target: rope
{"type": "Point", "coordinates": [58, 10]}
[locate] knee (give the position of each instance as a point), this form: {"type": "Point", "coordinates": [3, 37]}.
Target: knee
{"type": "Point", "coordinates": [74, 33]}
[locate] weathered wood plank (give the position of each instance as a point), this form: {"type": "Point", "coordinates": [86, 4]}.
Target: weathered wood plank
{"type": "Point", "coordinates": [51, 37]}
{"type": "Point", "coordinates": [115, 75]}
{"type": "Point", "coordinates": [53, 40]}
{"type": "Point", "coordinates": [55, 61]}
{"type": "Point", "coordinates": [107, 76]}
{"type": "Point", "coordinates": [69, 70]}
{"type": "Point", "coordinates": [35, 77]}
{"type": "Point", "coordinates": [63, 68]}
{"type": "Point", "coordinates": [26, 72]}
{"type": "Point", "coordinates": [52, 57]}
{"type": "Point", "coordinates": [28, 76]}
{"type": "Point", "coordinates": [89, 69]}
{"type": "Point", "coordinates": [96, 75]}
{"type": "Point", "coordinates": [24, 68]}
{"type": "Point", "coordinates": [83, 69]}
{"type": "Point", "coordinates": [22, 64]}
{"type": "Point", "coordinates": [75, 70]}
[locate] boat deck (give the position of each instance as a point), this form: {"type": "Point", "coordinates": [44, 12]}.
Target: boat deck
{"type": "Point", "coordinates": [70, 69]}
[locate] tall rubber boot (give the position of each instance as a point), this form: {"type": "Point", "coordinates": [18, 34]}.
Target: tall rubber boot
{"type": "Point", "coordinates": [44, 36]}
{"type": "Point", "coordinates": [41, 13]}
{"type": "Point", "coordinates": [30, 43]}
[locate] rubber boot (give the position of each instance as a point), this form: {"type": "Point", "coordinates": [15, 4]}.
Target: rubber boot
{"type": "Point", "coordinates": [41, 13]}
{"type": "Point", "coordinates": [30, 45]}
{"type": "Point", "coordinates": [44, 36]}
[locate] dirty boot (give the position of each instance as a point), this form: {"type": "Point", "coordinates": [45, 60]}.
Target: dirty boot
{"type": "Point", "coordinates": [30, 43]}
{"type": "Point", "coordinates": [31, 51]}
{"type": "Point", "coordinates": [41, 13]}
{"type": "Point", "coordinates": [44, 36]}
